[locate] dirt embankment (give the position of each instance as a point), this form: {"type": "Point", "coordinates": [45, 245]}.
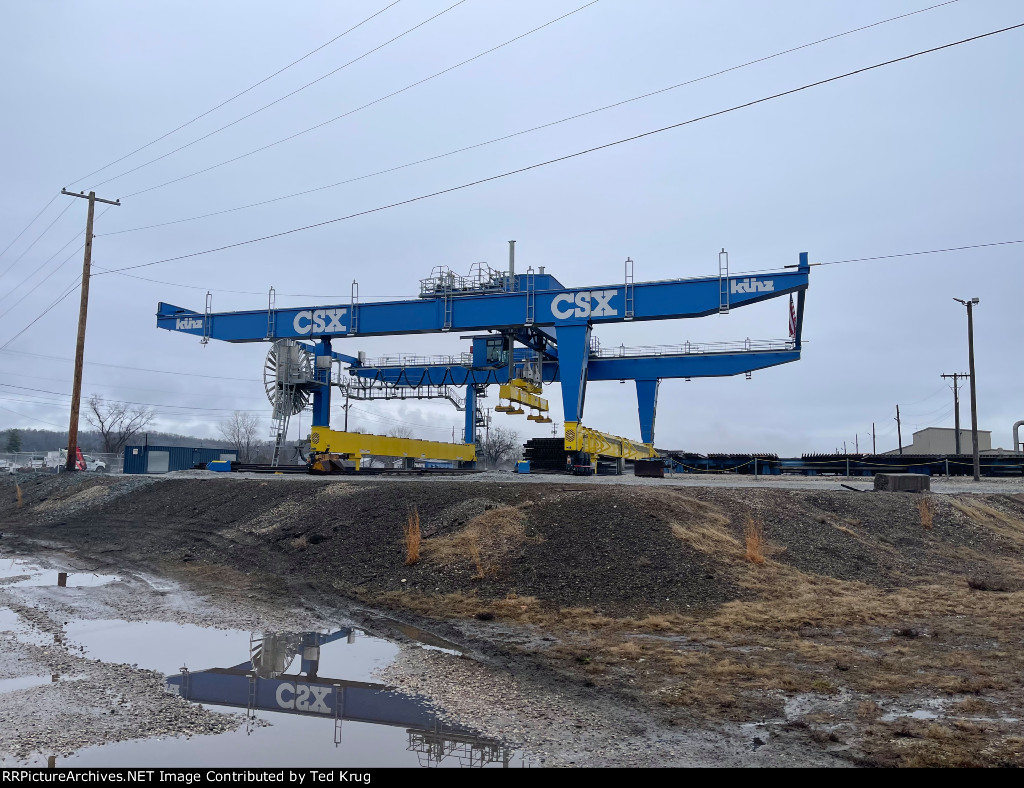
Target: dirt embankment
{"type": "Point", "coordinates": [825, 615]}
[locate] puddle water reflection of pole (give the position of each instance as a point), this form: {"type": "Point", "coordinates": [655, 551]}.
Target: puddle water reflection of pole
{"type": "Point", "coordinates": [62, 579]}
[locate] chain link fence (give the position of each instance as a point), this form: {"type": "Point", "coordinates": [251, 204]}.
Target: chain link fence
{"type": "Point", "coordinates": [54, 462]}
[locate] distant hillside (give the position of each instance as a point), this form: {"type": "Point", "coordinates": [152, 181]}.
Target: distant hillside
{"type": "Point", "coordinates": [51, 440]}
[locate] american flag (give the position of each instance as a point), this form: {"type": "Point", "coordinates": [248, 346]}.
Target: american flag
{"type": "Point", "coordinates": [792, 318]}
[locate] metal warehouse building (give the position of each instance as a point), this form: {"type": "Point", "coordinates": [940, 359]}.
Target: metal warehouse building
{"type": "Point", "coordinates": [163, 459]}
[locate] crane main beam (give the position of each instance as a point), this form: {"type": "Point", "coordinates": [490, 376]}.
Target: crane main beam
{"type": "Point", "coordinates": [550, 303]}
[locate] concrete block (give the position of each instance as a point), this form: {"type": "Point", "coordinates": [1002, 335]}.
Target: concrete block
{"type": "Point", "coordinates": [902, 482]}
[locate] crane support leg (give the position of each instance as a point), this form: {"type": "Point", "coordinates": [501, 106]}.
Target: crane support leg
{"type": "Point", "coordinates": [322, 394]}
{"type": "Point", "coordinates": [647, 406]}
{"type": "Point", "coordinates": [801, 297]}
{"type": "Point", "coordinates": [469, 433]}
{"type": "Point", "coordinates": [573, 353]}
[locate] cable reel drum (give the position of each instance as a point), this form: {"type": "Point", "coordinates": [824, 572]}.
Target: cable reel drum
{"type": "Point", "coordinates": [288, 366]}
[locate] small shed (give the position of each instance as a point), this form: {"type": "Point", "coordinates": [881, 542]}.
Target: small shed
{"type": "Point", "coordinates": [163, 459]}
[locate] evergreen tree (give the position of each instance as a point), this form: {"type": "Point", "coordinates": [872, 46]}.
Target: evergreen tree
{"type": "Point", "coordinates": [13, 441]}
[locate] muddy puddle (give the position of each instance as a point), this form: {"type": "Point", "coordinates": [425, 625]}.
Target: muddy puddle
{"type": "Point", "coordinates": [307, 699]}
{"type": "Point", "coordinates": [302, 698]}
{"type": "Point", "coordinates": [19, 573]}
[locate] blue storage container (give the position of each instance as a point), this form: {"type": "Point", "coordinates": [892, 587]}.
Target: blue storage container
{"type": "Point", "coordinates": [163, 459]}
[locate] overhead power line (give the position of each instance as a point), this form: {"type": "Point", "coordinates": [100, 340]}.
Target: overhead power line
{"type": "Point", "coordinates": [890, 256]}
{"type": "Point", "coordinates": [205, 288]}
{"type": "Point", "coordinates": [133, 368]}
{"type": "Point", "coordinates": [64, 262]}
{"type": "Point", "coordinates": [68, 291]}
{"type": "Point", "coordinates": [38, 284]}
{"type": "Point", "coordinates": [120, 386]}
{"type": "Point", "coordinates": [567, 157]}
{"type": "Point", "coordinates": [282, 98]}
{"type": "Point", "coordinates": [929, 251]}
{"type": "Point", "coordinates": [31, 418]}
{"type": "Point", "coordinates": [35, 241]}
{"type": "Point", "coordinates": [132, 402]}
{"type": "Point", "coordinates": [25, 228]}
{"type": "Point", "coordinates": [237, 95]}
{"type": "Point", "coordinates": [360, 108]}
{"type": "Point", "coordinates": [529, 130]}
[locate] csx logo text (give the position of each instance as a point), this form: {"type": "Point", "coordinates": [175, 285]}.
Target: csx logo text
{"type": "Point", "coordinates": [188, 322]}
{"type": "Point", "coordinates": [319, 321]}
{"type": "Point", "coordinates": [751, 285]}
{"type": "Point", "coordinates": [304, 697]}
{"type": "Point", "coordinates": [589, 303]}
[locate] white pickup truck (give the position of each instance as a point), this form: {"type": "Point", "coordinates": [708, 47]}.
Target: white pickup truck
{"type": "Point", "coordinates": [94, 464]}
{"type": "Point", "coordinates": [59, 458]}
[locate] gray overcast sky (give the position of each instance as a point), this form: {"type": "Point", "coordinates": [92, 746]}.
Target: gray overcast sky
{"type": "Point", "coordinates": [920, 155]}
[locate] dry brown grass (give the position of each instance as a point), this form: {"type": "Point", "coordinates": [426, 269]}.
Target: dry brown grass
{"type": "Point", "coordinates": [975, 706]}
{"type": "Point", "coordinates": [707, 538]}
{"type": "Point", "coordinates": [924, 507]}
{"type": "Point", "coordinates": [804, 633]}
{"type": "Point", "coordinates": [869, 710]}
{"type": "Point", "coordinates": [300, 543]}
{"type": "Point", "coordinates": [483, 543]}
{"type": "Point", "coordinates": [17, 488]}
{"type": "Point", "coordinates": [989, 517]}
{"type": "Point", "coordinates": [754, 536]}
{"type": "Point", "coordinates": [700, 525]}
{"type": "Point", "coordinates": [413, 537]}
{"type": "Point", "coordinates": [474, 553]}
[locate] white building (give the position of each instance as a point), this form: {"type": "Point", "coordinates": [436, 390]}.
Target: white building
{"type": "Point", "coordinates": [942, 440]}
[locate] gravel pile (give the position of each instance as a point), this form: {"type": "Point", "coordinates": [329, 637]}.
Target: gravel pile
{"type": "Point", "coordinates": [610, 547]}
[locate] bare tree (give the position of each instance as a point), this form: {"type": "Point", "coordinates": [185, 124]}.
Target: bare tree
{"type": "Point", "coordinates": [241, 430]}
{"type": "Point", "coordinates": [117, 422]}
{"type": "Point", "coordinates": [503, 446]}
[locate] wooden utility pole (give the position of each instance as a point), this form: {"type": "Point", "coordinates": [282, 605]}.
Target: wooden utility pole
{"type": "Point", "coordinates": [83, 311]}
{"type": "Point", "coordinates": [956, 404]}
{"type": "Point", "coordinates": [974, 390]}
{"type": "Point", "coordinates": [873, 449]}
{"type": "Point", "coordinates": [899, 430]}
{"type": "Point", "coordinates": [970, 304]}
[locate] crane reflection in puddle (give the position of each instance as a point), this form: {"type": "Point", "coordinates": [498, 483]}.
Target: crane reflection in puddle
{"type": "Point", "coordinates": [264, 683]}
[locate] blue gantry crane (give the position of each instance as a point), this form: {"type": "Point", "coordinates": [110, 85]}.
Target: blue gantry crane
{"type": "Point", "coordinates": [525, 330]}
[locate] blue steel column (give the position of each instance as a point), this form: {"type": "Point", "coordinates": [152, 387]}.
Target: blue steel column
{"type": "Point", "coordinates": [647, 406]}
{"type": "Point", "coordinates": [804, 268]}
{"type": "Point", "coordinates": [573, 354]}
{"type": "Point", "coordinates": [322, 393]}
{"type": "Point", "coordinates": [469, 432]}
